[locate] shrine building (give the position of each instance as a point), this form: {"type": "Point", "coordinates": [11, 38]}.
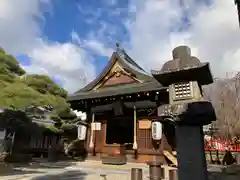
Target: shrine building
{"type": "Point", "coordinates": [121, 104]}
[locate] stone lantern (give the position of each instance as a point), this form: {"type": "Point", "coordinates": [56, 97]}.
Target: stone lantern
{"type": "Point", "coordinates": [187, 109]}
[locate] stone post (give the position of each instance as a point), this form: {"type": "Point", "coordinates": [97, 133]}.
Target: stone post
{"type": "Point", "coordinates": [190, 153]}
{"type": "Point", "coordinates": [156, 172]}
{"type": "Point", "coordinates": [136, 174]}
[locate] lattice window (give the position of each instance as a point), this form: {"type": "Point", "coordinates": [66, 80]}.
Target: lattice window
{"type": "Point", "coordinates": [144, 138]}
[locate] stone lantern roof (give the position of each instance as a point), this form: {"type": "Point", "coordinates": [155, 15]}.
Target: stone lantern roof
{"type": "Point", "coordinates": [183, 67]}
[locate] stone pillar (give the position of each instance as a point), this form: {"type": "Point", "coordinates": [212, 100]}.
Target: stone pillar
{"type": "Point", "coordinates": [190, 153]}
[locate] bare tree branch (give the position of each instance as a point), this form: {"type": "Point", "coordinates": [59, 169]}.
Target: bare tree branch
{"type": "Point", "coordinates": [225, 96]}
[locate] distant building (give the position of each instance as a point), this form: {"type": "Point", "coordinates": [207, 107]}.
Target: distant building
{"type": "Point", "coordinates": [42, 116]}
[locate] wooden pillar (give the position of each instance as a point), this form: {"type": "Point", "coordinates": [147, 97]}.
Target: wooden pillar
{"type": "Point", "coordinates": [162, 141]}
{"type": "Point", "coordinates": [135, 129]}
{"type": "Point", "coordinates": [91, 143]}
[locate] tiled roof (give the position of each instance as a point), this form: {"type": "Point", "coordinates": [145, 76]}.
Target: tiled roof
{"type": "Point", "coordinates": [128, 64]}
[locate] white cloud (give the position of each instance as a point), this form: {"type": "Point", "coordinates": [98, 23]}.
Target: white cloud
{"type": "Point", "coordinates": [214, 34]}
{"type": "Point", "coordinates": [217, 38]}
{"type": "Point", "coordinates": [20, 33]}
{"type": "Point", "coordinates": [93, 44]}
{"type": "Point", "coordinates": [88, 14]}
{"type": "Point", "coordinates": [97, 47]}
{"type": "Point", "coordinates": [66, 62]}
{"type": "Point", "coordinates": [19, 25]}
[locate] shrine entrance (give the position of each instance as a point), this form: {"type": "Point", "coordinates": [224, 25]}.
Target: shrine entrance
{"type": "Point", "coordinates": [120, 131]}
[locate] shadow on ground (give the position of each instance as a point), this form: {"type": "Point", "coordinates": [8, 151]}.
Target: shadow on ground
{"type": "Point", "coordinates": [223, 176]}
{"type": "Point", "coordinates": [16, 169]}
{"type": "Point", "coordinates": [225, 173]}
{"type": "Point", "coordinates": [79, 175]}
{"type": "Point", "coordinates": [14, 172]}
{"type": "Point", "coordinates": [45, 164]}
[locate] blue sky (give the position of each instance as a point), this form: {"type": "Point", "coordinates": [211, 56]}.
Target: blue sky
{"type": "Point", "coordinates": [71, 41]}
{"type": "Point", "coordinates": [86, 17]}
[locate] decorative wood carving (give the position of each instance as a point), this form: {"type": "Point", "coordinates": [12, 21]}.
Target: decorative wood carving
{"type": "Point", "coordinates": [116, 75]}
{"type": "Point", "coordinates": [118, 78]}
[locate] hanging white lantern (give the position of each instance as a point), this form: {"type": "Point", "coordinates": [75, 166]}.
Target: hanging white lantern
{"type": "Point", "coordinates": [156, 130]}
{"type": "Point", "coordinates": [82, 131]}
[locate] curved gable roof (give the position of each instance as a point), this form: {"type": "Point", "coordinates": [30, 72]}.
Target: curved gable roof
{"type": "Point", "coordinates": [126, 62]}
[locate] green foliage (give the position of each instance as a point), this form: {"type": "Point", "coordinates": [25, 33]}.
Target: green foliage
{"type": "Point", "coordinates": [2, 51]}
{"type": "Point", "coordinates": [3, 83]}
{"type": "Point", "coordinates": [21, 96]}
{"type": "Point", "coordinates": [66, 114]}
{"type": "Point", "coordinates": [52, 129]}
{"type": "Point", "coordinates": [69, 131]}
{"type": "Point", "coordinates": [76, 146]}
{"type": "Point", "coordinates": [18, 90]}
{"type": "Point", "coordinates": [13, 65]}
{"type": "Point", "coordinates": [9, 63]}
{"type": "Point", "coordinates": [5, 73]}
{"type": "Point", "coordinates": [44, 85]}
{"type": "Point", "coordinates": [21, 91]}
{"type": "Point", "coordinates": [15, 120]}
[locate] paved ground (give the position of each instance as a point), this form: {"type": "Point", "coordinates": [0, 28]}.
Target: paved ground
{"type": "Point", "coordinates": [90, 170]}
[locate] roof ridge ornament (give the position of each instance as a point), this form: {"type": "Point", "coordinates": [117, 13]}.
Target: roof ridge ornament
{"type": "Point", "coordinates": [124, 55]}
{"type": "Point", "coordinates": [117, 46]}
{"type": "Point", "coordinates": [119, 50]}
